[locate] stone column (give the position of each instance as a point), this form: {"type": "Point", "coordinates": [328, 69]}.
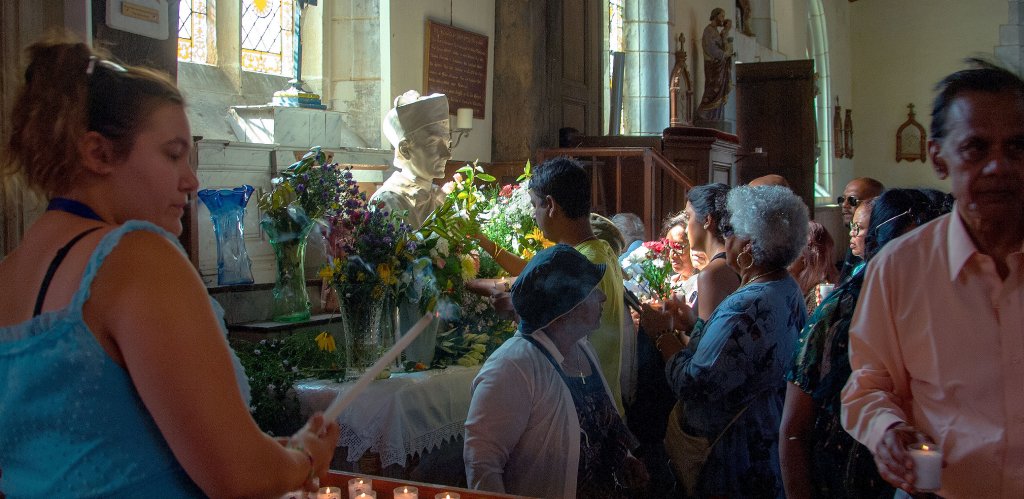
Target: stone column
{"type": "Point", "coordinates": [648, 63]}
{"type": "Point", "coordinates": [353, 82]}
{"type": "Point", "coordinates": [1010, 51]}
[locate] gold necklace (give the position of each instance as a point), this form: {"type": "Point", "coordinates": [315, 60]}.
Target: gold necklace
{"type": "Point", "coordinates": [758, 276]}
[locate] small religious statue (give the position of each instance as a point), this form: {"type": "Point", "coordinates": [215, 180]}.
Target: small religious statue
{"type": "Point", "coordinates": [418, 128]}
{"type": "Point", "coordinates": [718, 55]}
{"type": "Point", "coordinates": [743, 6]}
{"type": "Point", "coordinates": [680, 89]}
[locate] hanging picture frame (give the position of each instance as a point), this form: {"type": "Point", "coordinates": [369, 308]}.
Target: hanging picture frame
{"type": "Point", "coordinates": [848, 134]}
{"type": "Point", "coordinates": [837, 131]}
{"type": "Point", "coordinates": [911, 139]}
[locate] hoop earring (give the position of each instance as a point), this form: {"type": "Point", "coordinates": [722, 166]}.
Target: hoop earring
{"type": "Point", "coordinates": [747, 266]}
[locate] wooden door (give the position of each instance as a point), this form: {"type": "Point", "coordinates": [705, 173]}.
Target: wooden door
{"type": "Point", "coordinates": [775, 112]}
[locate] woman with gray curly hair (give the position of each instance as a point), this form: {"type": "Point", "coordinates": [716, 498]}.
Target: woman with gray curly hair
{"type": "Point", "coordinates": [729, 371]}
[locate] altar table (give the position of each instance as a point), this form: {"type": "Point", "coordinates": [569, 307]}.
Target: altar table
{"type": "Point", "coordinates": [399, 417]}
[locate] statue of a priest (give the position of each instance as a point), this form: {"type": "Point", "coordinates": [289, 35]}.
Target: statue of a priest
{"type": "Point", "coordinates": [418, 128]}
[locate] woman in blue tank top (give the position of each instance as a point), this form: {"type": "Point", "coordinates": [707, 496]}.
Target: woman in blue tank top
{"type": "Point", "coordinates": [117, 379]}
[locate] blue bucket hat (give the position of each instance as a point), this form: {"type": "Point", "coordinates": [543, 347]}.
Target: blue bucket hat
{"type": "Point", "coordinates": [553, 283]}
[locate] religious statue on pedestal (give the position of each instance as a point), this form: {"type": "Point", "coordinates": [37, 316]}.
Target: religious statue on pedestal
{"type": "Point", "coordinates": [718, 58]}
{"type": "Point", "coordinates": [680, 90]}
{"type": "Point", "coordinates": [419, 129]}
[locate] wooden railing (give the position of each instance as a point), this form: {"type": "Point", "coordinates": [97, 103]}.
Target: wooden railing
{"type": "Point", "coordinates": [630, 179]}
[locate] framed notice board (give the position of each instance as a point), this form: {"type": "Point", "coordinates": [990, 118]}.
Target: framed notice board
{"type": "Point", "coordinates": [456, 65]}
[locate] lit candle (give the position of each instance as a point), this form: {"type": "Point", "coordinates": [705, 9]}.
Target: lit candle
{"type": "Point", "coordinates": [447, 495]}
{"type": "Point", "coordinates": [927, 466]}
{"type": "Point", "coordinates": [357, 485]}
{"type": "Point", "coordinates": [464, 118]}
{"type": "Point", "coordinates": [407, 492]}
{"type": "Point", "coordinates": [367, 494]}
{"type": "Point", "coordinates": [329, 493]}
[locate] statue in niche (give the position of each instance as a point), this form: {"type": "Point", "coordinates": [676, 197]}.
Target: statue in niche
{"type": "Point", "coordinates": [743, 6]}
{"type": "Point", "coordinates": [418, 128]}
{"type": "Point", "coordinates": [718, 54]}
{"type": "Point", "coordinates": [680, 89]}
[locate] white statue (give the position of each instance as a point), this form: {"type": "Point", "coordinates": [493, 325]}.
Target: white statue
{"type": "Point", "coordinates": [418, 128]}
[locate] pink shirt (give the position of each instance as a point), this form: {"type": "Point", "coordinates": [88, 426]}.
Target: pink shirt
{"type": "Point", "coordinates": [938, 342]}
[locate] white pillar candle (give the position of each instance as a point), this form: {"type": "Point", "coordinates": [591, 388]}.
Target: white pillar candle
{"type": "Point", "coordinates": [407, 492]}
{"type": "Point", "coordinates": [367, 494]}
{"type": "Point", "coordinates": [357, 485]}
{"type": "Point", "coordinates": [927, 467]}
{"type": "Point", "coordinates": [329, 493]}
{"type": "Point", "coordinates": [464, 118]}
{"type": "Point", "coordinates": [447, 495]}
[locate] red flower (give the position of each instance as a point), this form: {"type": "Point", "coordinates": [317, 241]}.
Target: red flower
{"type": "Point", "coordinates": [657, 246]}
{"type": "Point", "coordinates": [508, 190]}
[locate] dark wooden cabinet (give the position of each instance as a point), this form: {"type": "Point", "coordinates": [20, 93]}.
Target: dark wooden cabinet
{"type": "Point", "coordinates": [775, 123]}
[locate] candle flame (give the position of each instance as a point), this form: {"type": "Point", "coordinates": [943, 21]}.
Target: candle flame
{"type": "Point", "coordinates": [924, 447]}
{"type": "Point", "coordinates": [405, 490]}
{"type": "Point", "coordinates": [447, 496]}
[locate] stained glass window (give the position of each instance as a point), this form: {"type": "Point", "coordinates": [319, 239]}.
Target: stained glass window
{"type": "Point", "coordinates": [267, 27]}
{"type": "Point", "coordinates": [197, 31]}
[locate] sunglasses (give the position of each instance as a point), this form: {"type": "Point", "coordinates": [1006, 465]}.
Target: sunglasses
{"type": "Point", "coordinates": [849, 199]}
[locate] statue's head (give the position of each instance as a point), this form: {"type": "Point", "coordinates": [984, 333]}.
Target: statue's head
{"type": "Point", "coordinates": [418, 128]}
{"type": "Point", "coordinates": [718, 14]}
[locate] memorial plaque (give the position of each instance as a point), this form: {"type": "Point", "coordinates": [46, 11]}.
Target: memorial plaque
{"type": "Point", "coordinates": [456, 65]}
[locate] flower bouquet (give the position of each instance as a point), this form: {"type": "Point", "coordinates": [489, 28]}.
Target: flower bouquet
{"type": "Point", "coordinates": [299, 196]}
{"type": "Point", "coordinates": [371, 252]}
{"type": "Point", "coordinates": [649, 268]}
{"type": "Point", "coordinates": [508, 219]}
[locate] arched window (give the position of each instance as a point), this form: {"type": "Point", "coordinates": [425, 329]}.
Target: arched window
{"type": "Point", "coordinates": [267, 27]}
{"type": "Point", "coordinates": [197, 31]}
{"type": "Point", "coordinates": [616, 43]}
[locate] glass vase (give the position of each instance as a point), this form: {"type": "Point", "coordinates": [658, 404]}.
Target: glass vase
{"type": "Point", "coordinates": [291, 298]}
{"type": "Point", "coordinates": [227, 212]}
{"type": "Point", "coordinates": [368, 329]}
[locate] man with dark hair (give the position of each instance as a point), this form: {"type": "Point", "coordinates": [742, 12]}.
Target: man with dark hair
{"type": "Point", "coordinates": [916, 376]}
{"type": "Point", "coordinates": [857, 191]}
{"type": "Point", "coordinates": [560, 194]}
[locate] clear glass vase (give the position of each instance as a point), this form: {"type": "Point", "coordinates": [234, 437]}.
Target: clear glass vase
{"type": "Point", "coordinates": [227, 212]}
{"type": "Point", "coordinates": [291, 298]}
{"type": "Point", "coordinates": [368, 326]}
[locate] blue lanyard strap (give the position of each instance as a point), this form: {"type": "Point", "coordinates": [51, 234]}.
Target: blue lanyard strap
{"type": "Point", "coordinates": [73, 207]}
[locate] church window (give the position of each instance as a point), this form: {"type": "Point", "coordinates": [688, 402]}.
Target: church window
{"type": "Point", "coordinates": [197, 31]}
{"type": "Point", "coordinates": [267, 27]}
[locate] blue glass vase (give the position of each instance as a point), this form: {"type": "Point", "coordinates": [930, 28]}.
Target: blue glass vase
{"type": "Point", "coordinates": [227, 212]}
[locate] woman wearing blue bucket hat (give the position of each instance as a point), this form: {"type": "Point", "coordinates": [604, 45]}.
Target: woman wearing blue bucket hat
{"type": "Point", "coordinates": [541, 422]}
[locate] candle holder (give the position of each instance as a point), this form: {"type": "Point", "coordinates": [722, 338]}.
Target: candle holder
{"type": "Point", "coordinates": [407, 492]}
{"type": "Point", "coordinates": [357, 486]}
{"type": "Point", "coordinates": [463, 124]}
{"type": "Point", "coordinates": [446, 495]}
{"type": "Point", "coordinates": [927, 466]}
{"type": "Point", "coordinates": [329, 493]}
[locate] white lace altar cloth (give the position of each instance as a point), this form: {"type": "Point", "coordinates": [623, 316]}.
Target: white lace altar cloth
{"type": "Point", "coordinates": [398, 417]}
